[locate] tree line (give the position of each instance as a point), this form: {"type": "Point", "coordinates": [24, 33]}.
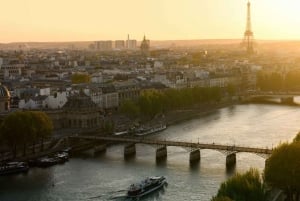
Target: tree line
{"type": "Point", "coordinates": [278, 82]}
{"type": "Point", "coordinates": [23, 128]}
{"type": "Point", "coordinates": [282, 171]}
{"type": "Point", "coordinates": [153, 102]}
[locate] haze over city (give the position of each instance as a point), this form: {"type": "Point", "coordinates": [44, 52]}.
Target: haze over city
{"type": "Point", "coordinates": [150, 100]}
{"type": "Point", "coordinates": [69, 20]}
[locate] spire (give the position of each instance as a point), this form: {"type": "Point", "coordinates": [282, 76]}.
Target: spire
{"type": "Point", "coordinates": [145, 46]}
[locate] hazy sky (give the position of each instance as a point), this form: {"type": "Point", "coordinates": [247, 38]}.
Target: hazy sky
{"type": "Point", "coordinates": [74, 20]}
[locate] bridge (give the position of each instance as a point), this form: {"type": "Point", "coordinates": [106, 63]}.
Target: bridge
{"type": "Point", "coordinates": [285, 97]}
{"type": "Point", "coordinates": [229, 150]}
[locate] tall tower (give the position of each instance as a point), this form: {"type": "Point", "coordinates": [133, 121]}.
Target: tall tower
{"type": "Point", "coordinates": [248, 35]}
{"type": "Point", "coordinates": [127, 41]}
{"type": "Point", "coordinates": [145, 46]}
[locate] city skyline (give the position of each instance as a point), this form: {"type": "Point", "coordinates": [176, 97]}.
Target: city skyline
{"type": "Point", "coordinates": [36, 21]}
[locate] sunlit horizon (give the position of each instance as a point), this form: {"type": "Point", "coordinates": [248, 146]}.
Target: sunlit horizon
{"type": "Point", "coordinates": [65, 21]}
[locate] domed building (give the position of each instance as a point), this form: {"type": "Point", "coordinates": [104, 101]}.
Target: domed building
{"type": "Point", "coordinates": [4, 99]}
{"type": "Point", "coordinates": [81, 112]}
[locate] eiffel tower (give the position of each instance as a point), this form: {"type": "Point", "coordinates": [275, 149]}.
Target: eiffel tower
{"type": "Point", "coordinates": [248, 35]}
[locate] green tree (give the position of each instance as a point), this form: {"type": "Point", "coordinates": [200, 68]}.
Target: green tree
{"type": "Point", "coordinates": [23, 128]}
{"type": "Point", "coordinates": [78, 78]}
{"type": "Point", "coordinates": [297, 138]}
{"type": "Point", "coordinates": [270, 81]}
{"type": "Point", "coordinates": [221, 198]}
{"type": "Point", "coordinates": [108, 127]}
{"type": "Point", "coordinates": [292, 80]}
{"type": "Point", "coordinates": [12, 131]}
{"type": "Point", "coordinates": [283, 170]}
{"type": "Point", "coordinates": [130, 108]}
{"type": "Point", "coordinates": [153, 102]}
{"type": "Point", "coordinates": [42, 127]}
{"type": "Point", "coordinates": [231, 89]}
{"type": "Point", "coordinates": [243, 187]}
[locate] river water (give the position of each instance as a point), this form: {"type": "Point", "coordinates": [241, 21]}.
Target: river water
{"type": "Point", "coordinates": [106, 177]}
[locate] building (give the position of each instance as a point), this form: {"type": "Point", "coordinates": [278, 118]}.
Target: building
{"type": "Point", "coordinates": [36, 102]}
{"type": "Point", "coordinates": [127, 90]}
{"type": "Point", "coordinates": [104, 96]}
{"type": "Point", "coordinates": [110, 97]}
{"type": "Point", "coordinates": [130, 44]}
{"type": "Point", "coordinates": [104, 45]}
{"type": "Point", "coordinates": [119, 44]}
{"type": "Point", "coordinates": [145, 46]}
{"type": "Point", "coordinates": [11, 71]}
{"type": "Point", "coordinates": [1, 71]}
{"type": "Point", "coordinates": [57, 100]}
{"type": "Point", "coordinates": [4, 99]}
{"type": "Point", "coordinates": [97, 78]}
{"type": "Point", "coordinates": [80, 112]}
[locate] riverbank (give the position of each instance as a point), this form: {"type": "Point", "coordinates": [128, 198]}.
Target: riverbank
{"type": "Point", "coordinates": [177, 116]}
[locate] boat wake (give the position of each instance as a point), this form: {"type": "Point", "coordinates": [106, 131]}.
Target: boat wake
{"type": "Point", "coordinates": [120, 195]}
{"type": "Point", "coordinates": [114, 195]}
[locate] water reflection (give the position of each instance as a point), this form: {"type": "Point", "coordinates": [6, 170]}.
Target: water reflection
{"type": "Point", "coordinates": [195, 165]}
{"type": "Point", "coordinates": [161, 162]}
{"type": "Point", "coordinates": [230, 170]}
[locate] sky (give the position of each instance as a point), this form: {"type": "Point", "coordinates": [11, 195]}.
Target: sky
{"type": "Point", "coordinates": [90, 20]}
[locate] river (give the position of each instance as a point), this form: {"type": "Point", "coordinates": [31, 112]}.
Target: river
{"type": "Point", "coordinates": [106, 177]}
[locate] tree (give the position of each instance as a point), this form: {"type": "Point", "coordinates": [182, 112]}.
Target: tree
{"type": "Point", "coordinates": [283, 170]}
{"type": "Point", "coordinates": [292, 80]}
{"type": "Point", "coordinates": [297, 138]}
{"type": "Point", "coordinates": [222, 198]}
{"type": "Point", "coordinates": [153, 102]}
{"type": "Point", "coordinates": [231, 89]}
{"type": "Point", "coordinates": [78, 78]}
{"type": "Point", "coordinates": [108, 127]}
{"type": "Point", "coordinates": [130, 108]}
{"type": "Point", "coordinates": [42, 126]}
{"type": "Point", "coordinates": [21, 128]}
{"type": "Point", "coordinates": [242, 187]}
{"type": "Point", "coordinates": [12, 131]}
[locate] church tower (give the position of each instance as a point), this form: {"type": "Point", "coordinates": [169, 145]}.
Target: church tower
{"type": "Point", "coordinates": [145, 46]}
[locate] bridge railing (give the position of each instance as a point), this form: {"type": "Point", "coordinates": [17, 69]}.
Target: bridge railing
{"type": "Point", "coordinates": [180, 144]}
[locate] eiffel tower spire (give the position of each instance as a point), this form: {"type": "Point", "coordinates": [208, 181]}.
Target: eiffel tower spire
{"type": "Point", "coordinates": [248, 35]}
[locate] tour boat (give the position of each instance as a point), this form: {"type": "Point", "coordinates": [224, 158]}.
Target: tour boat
{"type": "Point", "coordinates": [47, 161]}
{"type": "Point", "coordinates": [121, 133]}
{"type": "Point", "coordinates": [62, 156]}
{"type": "Point", "coordinates": [13, 167]}
{"type": "Point", "coordinates": [146, 186]}
{"type": "Point", "coordinates": [143, 131]}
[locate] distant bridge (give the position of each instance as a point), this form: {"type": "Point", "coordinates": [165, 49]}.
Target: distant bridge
{"type": "Point", "coordinates": [285, 97]}
{"type": "Point", "coordinates": [229, 150]}
{"type": "Point", "coordinates": [275, 94]}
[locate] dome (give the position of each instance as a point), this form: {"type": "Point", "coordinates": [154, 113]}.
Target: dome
{"type": "Point", "coordinates": [4, 92]}
{"type": "Point", "coordinates": [80, 102]}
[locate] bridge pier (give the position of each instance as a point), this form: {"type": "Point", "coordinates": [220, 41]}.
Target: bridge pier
{"type": "Point", "coordinates": [288, 100]}
{"type": "Point", "coordinates": [129, 150]}
{"type": "Point", "coordinates": [100, 149]}
{"type": "Point", "coordinates": [230, 160]}
{"type": "Point", "coordinates": [195, 156]}
{"type": "Point", "coordinates": [161, 153]}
